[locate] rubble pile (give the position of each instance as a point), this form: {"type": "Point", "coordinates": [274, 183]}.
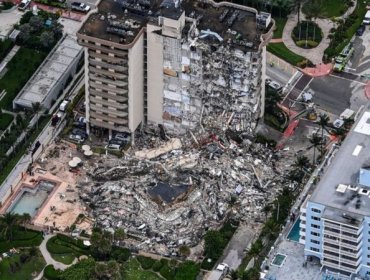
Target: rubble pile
{"type": "Point", "coordinates": [173, 198]}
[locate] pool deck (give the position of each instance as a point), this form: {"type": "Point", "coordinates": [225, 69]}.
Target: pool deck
{"type": "Point", "coordinates": [62, 206]}
{"type": "Point", "coordinates": [292, 267]}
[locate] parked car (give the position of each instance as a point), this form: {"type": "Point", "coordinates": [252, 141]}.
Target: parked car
{"type": "Point", "coordinates": [80, 7]}
{"type": "Point", "coordinates": [117, 142]}
{"type": "Point", "coordinates": [122, 136]}
{"type": "Point", "coordinates": [77, 138]}
{"type": "Point", "coordinates": [80, 132]}
{"type": "Point", "coordinates": [360, 30]}
{"type": "Point", "coordinates": [113, 147]}
{"type": "Point", "coordinates": [273, 84]}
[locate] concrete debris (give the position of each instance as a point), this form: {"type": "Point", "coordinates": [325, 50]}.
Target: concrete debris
{"type": "Point", "coordinates": [168, 193]}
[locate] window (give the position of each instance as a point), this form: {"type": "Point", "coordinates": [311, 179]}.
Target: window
{"type": "Point", "coordinates": [315, 241]}
{"type": "Point", "coordinates": [315, 218]}
{"type": "Point", "coordinates": [314, 249]}
{"type": "Point", "coordinates": [316, 226]}
{"type": "Point", "coordinates": [315, 233]}
{"type": "Point", "coordinates": [316, 210]}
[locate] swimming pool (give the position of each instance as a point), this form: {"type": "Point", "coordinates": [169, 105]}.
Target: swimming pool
{"type": "Point", "coordinates": [279, 260]}
{"type": "Point", "coordinates": [30, 200]}
{"type": "Point", "coordinates": [294, 232]}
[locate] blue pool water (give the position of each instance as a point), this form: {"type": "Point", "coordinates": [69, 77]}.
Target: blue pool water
{"type": "Point", "coordinates": [294, 232]}
{"type": "Point", "coordinates": [30, 201]}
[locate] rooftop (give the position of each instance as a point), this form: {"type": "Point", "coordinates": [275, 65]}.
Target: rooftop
{"type": "Point", "coordinates": [47, 76]}
{"type": "Point", "coordinates": [340, 187]}
{"type": "Point", "coordinates": [121, 21]}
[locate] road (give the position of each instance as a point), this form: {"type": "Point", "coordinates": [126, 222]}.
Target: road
{"type": "Point", "coordinates": [296, 90]}
{"type": "Point", "coordinates": [234, 252]}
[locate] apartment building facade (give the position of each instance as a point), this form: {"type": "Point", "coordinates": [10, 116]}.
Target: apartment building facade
{"type": "Point", "coordinates": [335, 219]}
{"type": "Point", "coordinates": [161, 63]}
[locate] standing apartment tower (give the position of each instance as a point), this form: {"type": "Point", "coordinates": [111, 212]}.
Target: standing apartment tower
{"type": "Point", "coordinates": [335, 219]}
{"type": "Point", "coordinates": [173, 63]}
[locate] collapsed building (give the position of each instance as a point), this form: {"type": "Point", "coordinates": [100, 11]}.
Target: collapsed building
{"type": "Point", "coordinates": [193, 70]}
{"type": "Point", "coordinates": [172, 62]}
{"type": "Point", "coordinates": [168, 193]}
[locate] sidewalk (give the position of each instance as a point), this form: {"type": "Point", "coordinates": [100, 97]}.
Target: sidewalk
{"type": "Point", "coordinates": [8, 57]}
{"type": "Point", "coordinates": [315, 55]}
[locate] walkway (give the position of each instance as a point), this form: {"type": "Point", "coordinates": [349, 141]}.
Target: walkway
{"type": "Point", "coordinates": [314, 54]}
{"type": "Point", "coordinates": [8, 57]}
{"type": "Point", "coordinates": [48, 259]}
{"type": "Point", "coordinates": [13, 121]}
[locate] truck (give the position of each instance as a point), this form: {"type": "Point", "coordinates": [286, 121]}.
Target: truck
{"type": "Point", "coordinates": [80, 7]}
{"type": "Point", "coordinates": [220, 272]}
{"type": "Point", "coordinates": [63, 105]}
{"type": "Point", "coordinates": [342, 59]}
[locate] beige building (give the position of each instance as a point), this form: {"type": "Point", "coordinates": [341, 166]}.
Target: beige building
{"type": "Point", "coordinates": [176, 64]}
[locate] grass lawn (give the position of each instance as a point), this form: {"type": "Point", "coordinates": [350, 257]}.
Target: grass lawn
{"type": "Point", "coordinates": [21, 238]}
{"type": "Point", "coordinates": [5, 120]}
{"type": "Point", "coordinates": [280, 50]}
{"type": "Point", "coordinates": [21, 271]}
{"type": "Point", "coordinates": [64, 258]}
{"type": "Point", "coordinates": [330, 8]}
{"type": "Point", "coordinates": [20, 69]}
{"type": "Point", "coordinates": [133, 271]}
{"type": "Point", "coordinates": [65, 249]}
{"type": "Point", "coordinates": [279, 23]}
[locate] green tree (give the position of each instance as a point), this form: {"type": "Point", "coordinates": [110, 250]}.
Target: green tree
{"type": "Point", "coordinates": [82, 270]}
{"type": "Point", "coordinates": [106, 271]}
{"type": "Point", "coordinates": [47, 39]}
{"type": "Point", "coordinates": [7, 223]}
{"type": "Point", "coordinates": [184, 251]}
{"type": "Point", "coordinates": [323, 122]}
{"type": "Point", "coordinates": [36, 108]}
{"type": "Point", "coordinates": [316, 141]}
{"type": "Point", "coordinates": [119, 234]}
{"type": "Point", "coordinates": [101, 244]}
{"type": "Point", "coordinates": [213, 241]}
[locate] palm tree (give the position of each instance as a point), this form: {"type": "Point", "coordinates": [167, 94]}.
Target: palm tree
{"type": "Point", "coordinates": [301, 163]}
{"type": "Point", "coordinates": [25, 219]}
{"type": "Point", "coordinates": [315, 11]}
{"type": "Point", "coordinates": [36, 107]}
{"type": "Point", "coordinates": [315, 141]}
{"type": "Point", "coordinates": [8, 222]}
{"type": "Point", "coordinates": [323, 123]}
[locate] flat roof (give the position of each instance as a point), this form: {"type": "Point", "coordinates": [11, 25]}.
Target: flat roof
{"type": "Point", "coordinates": [48, 74]}
{"type": "Point", "coordinates": [352, 156]}
{"type": "Point", "coordinates": [121, 21]}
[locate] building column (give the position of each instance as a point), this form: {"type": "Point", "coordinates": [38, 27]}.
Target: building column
{"type": "Point", "coordinates": [110, 134]}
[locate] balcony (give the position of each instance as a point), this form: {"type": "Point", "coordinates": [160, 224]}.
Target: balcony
{"type": "Point", "coordinates": [117, 83]}
{"type": "Point", "coordinates": [110, 103]}
{"type": "Point", "coordinates": [102, 64]}
{"type": "Point", "coordinates": [103, 49]}
{"type": "Point", "coordinates": [341, 227]}
{"type": "Point", "coordinates": [113, 115]}
{"type": "Point", "coordinates": [123, 60]}
{"type": "Point", "coordinates": [109, 74]}
{"type": "Point", "coordinates": [339, 267]}
{"type": "Point", "coordinates": [117, 127]}
{"type": "Point", "coordinates": [111, 90]}
{"type": "Point", "coordinates": [117, 99]}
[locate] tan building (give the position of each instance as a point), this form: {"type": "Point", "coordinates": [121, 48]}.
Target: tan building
{"type": "Point", "coordinates": [176, 64]}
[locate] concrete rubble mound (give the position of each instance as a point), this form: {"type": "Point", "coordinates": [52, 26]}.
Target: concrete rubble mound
{"type": "Point", "coordinates": [167, 192]}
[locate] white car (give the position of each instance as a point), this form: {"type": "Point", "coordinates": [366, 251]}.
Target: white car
{"type": "Point", "coordinates": [77, 138]}
{"type": "Point", "coordinates": [115, 147]}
